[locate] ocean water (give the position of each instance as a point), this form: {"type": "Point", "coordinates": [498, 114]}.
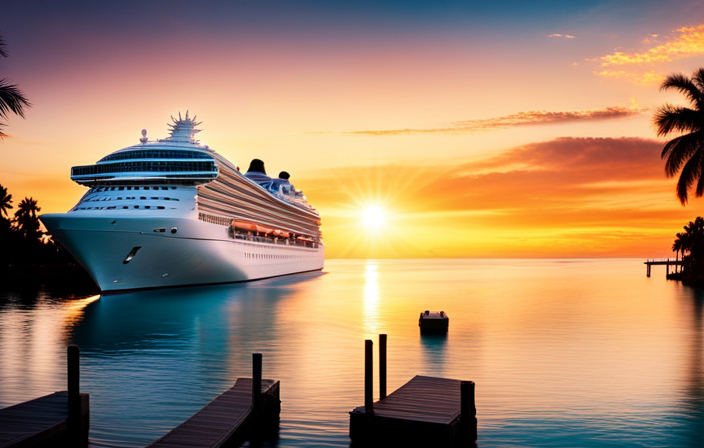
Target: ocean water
{"type": "Point", "coordinates": [564, 353]}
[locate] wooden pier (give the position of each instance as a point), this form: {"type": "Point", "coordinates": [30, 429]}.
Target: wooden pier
{"type": "Point", "coordinates": [59, 419]}
{"type": "Point", "coordinates": [663, 262]}
{"type": "Point", "coordinates": [426, 411]}
{"type": "Point", "coordinates": [247, 411]}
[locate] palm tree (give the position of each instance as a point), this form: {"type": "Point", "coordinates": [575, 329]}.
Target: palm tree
{"type": "Point", "coordinates": [5, 202]}
{"type": "Point", "coordinates": [677, 245]}
{"type": "Point", "coordinates": [685, 152]}
{"type": "Point", "coordinates": [11, 98]}
{"type": "Point", "coordinates": [26, 218]}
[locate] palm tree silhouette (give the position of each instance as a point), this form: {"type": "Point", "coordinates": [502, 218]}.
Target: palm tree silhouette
{"type": "Point", "coordinates": [690, 244]}
{"type": "Point", "coordinates": [679, 244]}
{"type": "Point", "coordinates": [686, 152]}
{"type": "Point", "coordinates": [5, 202]}
{"type": "Point", "coordinates": [26, 218]}
{"type": "Point", "coordinates": [12, 100]}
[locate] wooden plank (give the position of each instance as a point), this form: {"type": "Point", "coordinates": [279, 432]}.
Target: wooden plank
{"type": "Point", "coordinates": [426, 411]}
{"type": "Point", "coordinates": [422, 399]}
{"type": "Point", "coordinates": [38, 419]}
{"type": "Point", "coordinates": [663, 262]}
{"type": "Point", "coordinates": [218, 421]}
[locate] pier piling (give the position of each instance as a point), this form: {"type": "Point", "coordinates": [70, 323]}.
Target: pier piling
{"type": "Point", "coordinates": [382, 366]}
{"type": "Point", "coordinates": [74, 399]}
{"type": "Point", "coordinates": [468, 411]}
{"type": "Point", "coordinates": [368, 377]}
{"type": "Point", "coordinates": [256, 386]}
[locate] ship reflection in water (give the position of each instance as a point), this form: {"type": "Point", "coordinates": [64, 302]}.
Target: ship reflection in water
{"type": "Point", "coordinates": [578, 353]}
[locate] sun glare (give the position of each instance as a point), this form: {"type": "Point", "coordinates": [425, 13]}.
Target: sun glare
{"type": "Point", "coordinates": [373, 217]}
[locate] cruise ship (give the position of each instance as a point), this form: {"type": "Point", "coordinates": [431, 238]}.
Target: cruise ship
{"type": "Point", "coordinates": [173, 212]}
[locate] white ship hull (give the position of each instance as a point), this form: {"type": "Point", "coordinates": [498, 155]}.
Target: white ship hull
{"type": "Point", "coordinates": [196, 253]}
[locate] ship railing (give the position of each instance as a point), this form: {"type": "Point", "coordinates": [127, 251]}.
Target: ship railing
{"type": "Point", "coordinates": [274, 240]}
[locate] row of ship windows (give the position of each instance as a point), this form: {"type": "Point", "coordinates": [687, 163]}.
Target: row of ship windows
{"type": "Point", "coordinates": [162, 167]}
{"type": "Point", "coordinates": [275, 257]}
{"type": "Point", "coordinates": [128, 188]}
{"type": "Point", "coordinates": [132, 198]}
{"type": "Point", "coordinates": [124, 207]}
{"type": "Point", "coordinates": [156, 154]}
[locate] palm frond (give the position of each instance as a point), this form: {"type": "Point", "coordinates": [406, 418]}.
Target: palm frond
{"type": "Point", "coordinates": [680, 149]}
{"type": "Point", "coordinates": [11, 100]}
{"type": "Point", "coordinates": [669, 118]}
{"type": "Point", "coordinates": [3, 52]}
{"type": "Point", "coordinates": [691, 172]}
{"type": "Point", "coordinates": [686, 86]}
{"type": "Point", "coordinates": [700, 182]}
{"type": "Point", "coordinates": [698, 79]}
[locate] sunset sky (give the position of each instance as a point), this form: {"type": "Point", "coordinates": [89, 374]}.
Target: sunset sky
{"type": "Point", "coordinates": [477, 129]}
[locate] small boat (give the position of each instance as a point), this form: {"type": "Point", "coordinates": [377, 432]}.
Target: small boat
{"type": "Point", "coordinates": [435, 322]}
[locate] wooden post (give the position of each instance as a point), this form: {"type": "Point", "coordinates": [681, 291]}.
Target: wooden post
{"type": "Point", "coordinates": [382, 366]}
{"type": "Point", "coordinates": [74, 398]}
{"type": "Point", "coordinates": [648, 273]}
{"type": "Point", "coordinates": [256, 385]}
{"type": "Point", "coordinates": [468, 411]}
{"type": "Point", "coordinates": [368, 377]}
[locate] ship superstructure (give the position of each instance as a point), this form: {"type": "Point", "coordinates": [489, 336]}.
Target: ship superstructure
{"type": "Point", "coordinates": [174, 212]}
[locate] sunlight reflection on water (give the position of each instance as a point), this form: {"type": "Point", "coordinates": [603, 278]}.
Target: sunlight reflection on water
{"type": "Point", "coordinates": [581, 353]}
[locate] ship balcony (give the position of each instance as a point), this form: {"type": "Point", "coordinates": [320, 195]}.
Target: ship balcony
{"type": "Point", "coordinates": [188, 172]}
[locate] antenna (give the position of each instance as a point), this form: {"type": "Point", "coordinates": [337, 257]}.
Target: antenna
{"type": "Point", "coordinates": [144, 138]}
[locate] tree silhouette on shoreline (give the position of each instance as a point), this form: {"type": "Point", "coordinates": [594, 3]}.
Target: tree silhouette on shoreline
{"type": "Point", "coordinates": [5, 203]}
{"type": "Point", "coordinates": [27, 220]}
{"type": "Point", "coordinates": [12, 100]}
{"type": "Point", "coordinates": [26, 254]}
{"type": "Point", "coordinates": [690, 244]}
{"type": "Point", "coordinates": [685, 153]}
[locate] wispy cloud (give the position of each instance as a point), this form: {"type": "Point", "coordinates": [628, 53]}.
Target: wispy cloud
{"type": "Point", "coordinates": [565, 36]}
{"type": "Point", "coordinates": [637, 66]}
{"type": "Point", "coordinates": [519, 119]}
{"type": "Point", "coordinates": [689, 43]}
{"type": "Point", "coordinates": [648, 78]}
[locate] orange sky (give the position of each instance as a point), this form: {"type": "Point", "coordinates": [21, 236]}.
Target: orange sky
{"type": "Point", "coordinates": [491, 138]}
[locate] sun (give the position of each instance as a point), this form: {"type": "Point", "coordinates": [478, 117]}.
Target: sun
{"type": "Point", "coordinates": [373, 217]}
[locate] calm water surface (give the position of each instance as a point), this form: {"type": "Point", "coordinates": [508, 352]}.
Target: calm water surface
{"type": "Point", "coordinates": [565, 353]}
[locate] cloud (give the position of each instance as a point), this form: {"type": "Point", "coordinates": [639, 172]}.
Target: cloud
{"type": "Point", "coordinates": [648, 78]}
{"type": "Point", "coordinates": [518, 119]}
{"type": "Point", "coordinates": [565, 36]}
{"type": "Point", "coordinates": [637, 67]}
{"type": "Point", "coordinates": [689, 43]}
{"type": "Point", "coordinates": [564, 197]}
